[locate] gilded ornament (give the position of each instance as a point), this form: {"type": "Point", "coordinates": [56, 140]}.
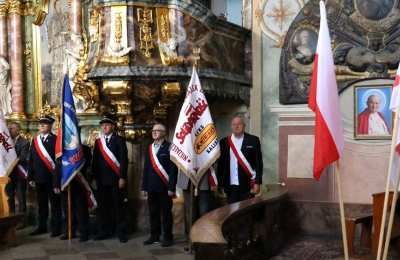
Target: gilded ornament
{"type": "Point", "coordinates": [145, 19]}
{"type": "Point", "coordinates": [94, 25]}
{"type": "Point", "coordinates": [40, 11]}
{"type": "Point", "coordinates": [28, 55]}
{"type": "Point", "coordinates": [3, 9]}
{"type": "Point", "coordinates": [15, 7]}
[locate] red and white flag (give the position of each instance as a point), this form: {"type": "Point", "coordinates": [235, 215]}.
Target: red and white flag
{"type": "Point", "coordinates": [394, 106]}
{"type": "Point", "coordinates": [324, 101]}
{"type": "Point", "coordinates": [8, 156]}
{"type": "Point", "coordinates": [195, 146]}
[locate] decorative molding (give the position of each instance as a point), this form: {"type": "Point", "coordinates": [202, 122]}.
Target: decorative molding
{"type": "Point", "coordinates": [145, 20]}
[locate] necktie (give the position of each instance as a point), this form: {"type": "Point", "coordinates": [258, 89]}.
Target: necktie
{"type": "Point", "coordinates": [43, 139]}
{"type": "Point", "coordinates": [107, 141]}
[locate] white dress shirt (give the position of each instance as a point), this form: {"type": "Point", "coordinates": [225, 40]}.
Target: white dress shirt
{"type": "Point", "coordinates": [44, 137]}
{"type": "Point", "coordinates": [234, 174]}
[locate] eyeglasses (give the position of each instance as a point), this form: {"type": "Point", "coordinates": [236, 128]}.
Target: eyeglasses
{"type": "Point", "coordinates": [157, 130]}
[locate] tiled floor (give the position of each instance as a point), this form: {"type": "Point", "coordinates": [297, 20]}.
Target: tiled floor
{"type": "Point", "coordinates": [45, 248]}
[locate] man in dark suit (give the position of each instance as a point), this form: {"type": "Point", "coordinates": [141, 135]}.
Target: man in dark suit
{"type": "Point", "coordinates": [79, 201]}
{"type": "Point", "coordinates": [18, 178]}
{"type": "Point", "coordinates": [240, 166]}
{"type": "Point", "coordinates": [159, 181]}
{"type": "Point", "coordinates": [109, 169]}
{"type": "Point", "coordinates": [42, 175]}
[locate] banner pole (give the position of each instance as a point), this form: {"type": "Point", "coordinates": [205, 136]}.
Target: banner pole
{"type": "Point", "coordinates": [191, 216]}
{"type": "Point", "coordinates": [386, 200]}
{"type": "Point", "coordinates": [69, 215]}
{"type": "Point", "coordinates": [341, 206]}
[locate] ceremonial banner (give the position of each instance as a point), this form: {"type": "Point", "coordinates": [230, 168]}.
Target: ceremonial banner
{"type": "Point", "coordinates": [394, 105]}
{"type": "Point", "coordinates": [8, 156]}
{"type": "Point", "coordinates": [324, 101]}
{"type": "Point", "coordinates": [195, 146]}
{"type": "Point", "coordinates": [68, 145]}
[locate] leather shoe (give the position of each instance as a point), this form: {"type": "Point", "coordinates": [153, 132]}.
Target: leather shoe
{"type": "Point", "coordinates": [151, 241]}
{"type": "Point", "coordinates": [123, 239]}
{"type": "Point", "coordinates": [38, 232]}
{"type": "Point", "coordinates": [166, 243]}
{"type": "Point", "coordinates": [65, 236]}
{"type": "Point", "coordinates": [55, 234]}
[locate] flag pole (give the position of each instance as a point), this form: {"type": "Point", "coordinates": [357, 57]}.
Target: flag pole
{"type": "Point", "coordinates": [341, 206]}
{"type": "Point", "coordinates": [391, 218]}
{"type": "Point", "coordinates": [386, 200]}
{"type": "Point", "coordinates": [69, 215]}
{"type": "Point", "coordinates": [191, 216]}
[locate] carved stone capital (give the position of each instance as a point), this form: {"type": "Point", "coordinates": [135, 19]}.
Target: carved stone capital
{"type": "Point", "coordinates": [3, 9]}
{"type": "Point", "coordinates": [15, 7]}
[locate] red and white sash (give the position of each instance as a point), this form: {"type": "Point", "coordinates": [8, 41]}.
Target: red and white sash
{"type": "Point", "coordinates": [108, 155]}
{"type": "Point", "coordinates": [21, 171]}
{"type": "Point", "coordinates": [158, 168]}
{"type": "Point", "coordinates": [212, 178]}
{"type": "Point", "coordinates": [92, 203]}
{"type": "Point", "coordinates": [43, 154]}
{"type": "Point", "coordinates": [244, 164]}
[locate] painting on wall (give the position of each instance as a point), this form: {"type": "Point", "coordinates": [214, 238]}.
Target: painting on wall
{"type": "Point", "coordinates": [372, 115]}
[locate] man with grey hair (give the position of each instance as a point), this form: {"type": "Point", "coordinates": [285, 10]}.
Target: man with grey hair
{"type": "Point", "coordinates": [240, 166]}
{"type": "Point", "coordinates": [18, 178]}
{"type": "Point", "coordinates": [371, 121]}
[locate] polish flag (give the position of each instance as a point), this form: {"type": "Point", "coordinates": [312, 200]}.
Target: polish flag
{"type": "Point", "coordinates": [324, 101]}
{"type": "Point", "coordinates": [394, 106]}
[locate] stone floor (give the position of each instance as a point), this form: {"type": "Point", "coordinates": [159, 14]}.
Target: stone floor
{"type": "Point", "coordinates": [44, 248]}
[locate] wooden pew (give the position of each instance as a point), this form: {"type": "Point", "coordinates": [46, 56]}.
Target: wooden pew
{"type": "Point", "coordinates": [8, 222]}
{"type": "Point", "coordinates": [377, 211]}
{"type": "Point", "coordinates": [254, 225]}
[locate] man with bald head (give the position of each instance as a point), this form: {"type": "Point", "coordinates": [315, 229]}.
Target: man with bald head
{"type": "Point", "coordinates": [371, 121]}
{"type": "Point", "coordinates": [240, 166]}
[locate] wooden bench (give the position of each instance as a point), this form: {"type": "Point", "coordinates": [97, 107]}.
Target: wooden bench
{"type": "Point", "coordinates": [366, 230]}
{"type": "Point", "coordinates": [8, 222]}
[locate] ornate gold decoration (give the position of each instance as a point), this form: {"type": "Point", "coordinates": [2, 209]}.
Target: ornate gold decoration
{"type": "Point", "coordinates": [170, 93]}
{"type": "Point", "coordinates": [145, 19]}
{"type": "Point", "coordinates": [134, 134]}
{"type": "Point", "coordinates": [40, 11]}
{"type": "Point", "coordinates": [3, 9]}
{"type": "Point", "coordinates": [196, 55]}
{"type": "Point", "coordinates": [17, 116]}
{"type": "Point", "coordinates": [37, 68]}
{"type": "Point", "coordinates": [119, 94]}
{"type": "Point", "coordinates": [118, 28]}
{"type": "Point", "coordinates": [85, 90]}
{"type": "Point", "coordinates": [94, 25]}
{"type": "Point", "coordinates": [14, 7]}
{"type": "Point", "coordinates": [166, 44]}
{"type": "Point", "coordinates": [93, 133]}
{"type": "Point", "coordinates": [28, 55]}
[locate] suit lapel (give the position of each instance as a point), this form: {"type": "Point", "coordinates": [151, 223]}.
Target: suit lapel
{"type": "Point", "coordinates": [244, 143]}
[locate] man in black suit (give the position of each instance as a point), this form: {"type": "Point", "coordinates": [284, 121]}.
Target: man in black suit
{"type": "Point", "coordinates": [159, 181]}
{"type": "Point", "coordinates": [18, 178]}
{"type": "Point", "coordinates": [42, 175]}
{"type": "Point", "coordinates": [240, 166]}
{"type": "Point", "coordinates": [79, 201]}
{"type": "Point", "coordinates": [109, 169]}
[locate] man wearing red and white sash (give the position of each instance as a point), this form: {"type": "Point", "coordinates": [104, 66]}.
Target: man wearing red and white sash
{"type": "Point", "coordinates": [240, 166]}
{"type": "Point", "coordinates": [18, 178]}
{"type": "Point", "coordinates": [109, 169]}
{"type": "Point", "coordinates": [159, 181]}
{"type": "Point", "coordinates": [42, 175]}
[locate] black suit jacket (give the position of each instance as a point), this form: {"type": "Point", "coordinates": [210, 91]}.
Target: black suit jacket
{"type": "Point", "coordinates": [101, 172]}
{"type": "Point", "coordinates": [151, 182]}
{"type": "Point", "coordinates": [251, 149]}
{"type": "Point", "coordinates": [22, 150]}
{"type": "Point", "coordinates": [38, 171]}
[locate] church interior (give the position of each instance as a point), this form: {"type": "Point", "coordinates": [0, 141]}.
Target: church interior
{"type": "Point", "coordinates": [254, 58]}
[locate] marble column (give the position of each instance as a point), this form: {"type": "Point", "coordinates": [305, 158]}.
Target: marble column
{"type": "Point", "coordinates": [3, 31]}
{"type": "Point", "coordinates": [76, 17]}
{"type": "Point", "coordinates": [16, 61]}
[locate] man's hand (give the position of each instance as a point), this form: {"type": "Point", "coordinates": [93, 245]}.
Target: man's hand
{"type": "Point", "coordinates": [121, 183]}
{"type": "Point", "coordinates": [57, 190]}
{"type": "Point", "coordinates": [171, 193]}
{"type": "Point", "coordinates": [256, 189]}
{"type": "Point", "coordinates": [214, 188]}
{"type": "Point", "coordinates": [32, 184]}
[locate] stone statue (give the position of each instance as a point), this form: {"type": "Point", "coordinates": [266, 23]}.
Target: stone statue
{"type": "Point", "coordinates": [5, 87]}
{"type": "Point", "coordinates": [73, 51]}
